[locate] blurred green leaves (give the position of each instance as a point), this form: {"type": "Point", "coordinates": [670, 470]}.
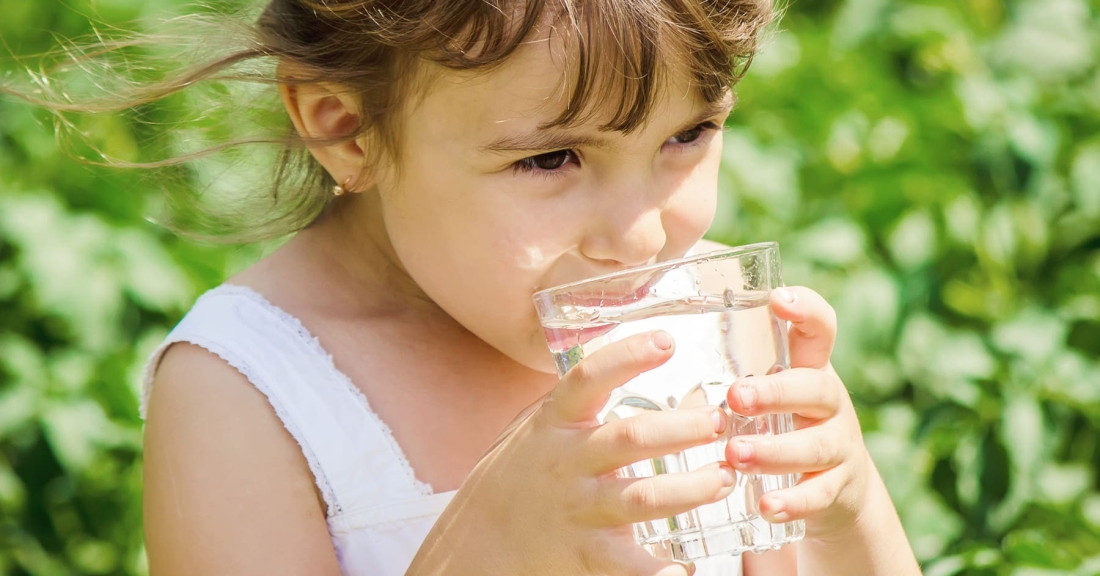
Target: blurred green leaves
{"type": "Point", "coordinates": [87, 288]}
{"type": "Point", "coordinates": [931, 166]}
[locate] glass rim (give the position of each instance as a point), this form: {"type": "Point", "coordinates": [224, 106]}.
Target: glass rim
{"type": "Point", "coordinates": [720, 254]}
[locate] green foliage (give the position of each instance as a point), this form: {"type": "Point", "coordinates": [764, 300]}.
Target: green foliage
{"type": "Point", "coordinates": [932, 167]}
{"type": "Point", "coordinates": [87, 289]}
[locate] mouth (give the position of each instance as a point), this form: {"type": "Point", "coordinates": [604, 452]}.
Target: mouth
{"type": "Point", "coordinates": [570, 313]}
{"type": "Point", "coordinates": [606, 294]}
{"type": "Point", "coordinates": [584, 323]}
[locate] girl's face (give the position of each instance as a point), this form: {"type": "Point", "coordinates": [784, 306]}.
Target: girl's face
{"type": "Point", "coordinates": [488, 208]}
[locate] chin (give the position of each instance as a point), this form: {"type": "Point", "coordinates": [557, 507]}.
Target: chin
{"type": "Point", "coordinates": [543, 362]}
{"type": "Point", "coordinates": [535, 355]}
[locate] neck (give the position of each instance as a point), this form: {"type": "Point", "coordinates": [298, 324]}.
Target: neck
{"type": "Point", "coordinates": [348, 252]}
{"type": "Point", "coordinates": [350, 244]}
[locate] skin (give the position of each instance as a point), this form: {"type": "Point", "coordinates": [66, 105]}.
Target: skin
{"type": "Point", "coordinates": [435, 256]}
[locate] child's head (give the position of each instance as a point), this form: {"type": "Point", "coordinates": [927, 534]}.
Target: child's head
{"type": "Point", "coordinates": [498, 146]}
{"type": "Point", "coordinates": [510, 146]}
{"type": "Point", "coordinates": [614, 57]}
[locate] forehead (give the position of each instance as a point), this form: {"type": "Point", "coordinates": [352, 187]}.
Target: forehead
{"type": "Point", "coordinates": [530, 90]}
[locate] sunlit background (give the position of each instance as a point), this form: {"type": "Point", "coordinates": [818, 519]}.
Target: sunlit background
{"type": "Point", "coordinates": [932, 167]}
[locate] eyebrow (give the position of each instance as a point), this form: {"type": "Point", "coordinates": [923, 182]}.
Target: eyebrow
{"type": "Point", "coordinates": [546, 140]}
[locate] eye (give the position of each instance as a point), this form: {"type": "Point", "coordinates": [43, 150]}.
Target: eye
{"type": "Point", "coordinates": [692, 134]}
{"type": "Point", "coordinates": [548, 162]}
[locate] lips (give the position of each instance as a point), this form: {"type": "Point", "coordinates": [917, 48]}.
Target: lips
{"type": "Point", "coordinates": [608, 290]}
{"type": "Point", "coordinates": [582, 331]}
{"type": "Point", "coordinates": [608, 295]}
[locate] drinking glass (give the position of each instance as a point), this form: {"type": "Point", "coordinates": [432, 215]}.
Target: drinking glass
{"type": "Point", "coordinates": [716, 307]}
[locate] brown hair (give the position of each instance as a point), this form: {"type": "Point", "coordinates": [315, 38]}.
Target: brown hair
{"type": "Point", "coordinates": [377, 48]}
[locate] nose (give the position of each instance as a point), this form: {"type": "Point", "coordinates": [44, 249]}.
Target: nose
{"type": "Point", "coordinates": [625, 231]}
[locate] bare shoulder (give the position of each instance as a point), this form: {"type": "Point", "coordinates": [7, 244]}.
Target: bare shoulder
{"type": "Point", "coordinates": [227, 489]}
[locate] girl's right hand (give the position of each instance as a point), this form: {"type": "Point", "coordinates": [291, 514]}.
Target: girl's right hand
{"type": "Point", "coordinates": [547, 500]}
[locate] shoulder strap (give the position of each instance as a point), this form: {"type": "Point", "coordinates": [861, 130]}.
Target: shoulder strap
{"type": "Point", "coordinates": [343, 441]}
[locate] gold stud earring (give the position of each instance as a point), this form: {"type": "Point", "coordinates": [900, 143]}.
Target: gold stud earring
{"type": "Point", "coordinates": [339, 189]}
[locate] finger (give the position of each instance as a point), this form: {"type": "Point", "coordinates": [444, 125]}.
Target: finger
{"type": "Point", "coordinates": [628, 500]}
{"type": "Point", "coordinates": [814, 493]}
{"type": "Point", "coordinates": [619, 443]}
{"type": "Point", "coordinates": [813, 325]}
{"type": "Point", "coordinates": [810, 393]}
{"type": "Point", "coordinates": [583, 391]}
{"type": "Point", "coordinates": [808, 450]}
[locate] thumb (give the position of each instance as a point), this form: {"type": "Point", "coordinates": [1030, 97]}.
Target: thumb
{"type": "Point", "coordinates": [813, 325]}
{"type": "Point", "coordinates": [584, 390]}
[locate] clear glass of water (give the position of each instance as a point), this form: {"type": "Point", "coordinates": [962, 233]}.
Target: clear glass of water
{"type": "Point", "coordinates": [716, 307]}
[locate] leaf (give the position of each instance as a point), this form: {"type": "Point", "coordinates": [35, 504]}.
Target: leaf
{"type": "Point", "coordinates": [764, 175]}
{"type": "Point", "coordinates": [930, 525]}
{"type": "Point", "coordinates": [887, 138]}
{"type": "Point", "coordinates": [1023, 435]}
{"type": "Point", "coordinates": [1085, 175]}
{"type": "Point", "coordinates": [855, 21]}
{"type": "Point", "coordinates": [1049, 39]}
{"type": "Point", "coordinates": [12, 493]}
{"type": "Point", "coordinates": [79, 431]}
{"type": "Point", "coordinates": [962, 217]}
{"type": "Point", "coordinates": [1064, 483]}
{"type": "Point", "coordinates": [945, 566]}
{"type": "Point", "coordinates": [835, 241]}
{"type": "Point", "coordinates": [913, 242]}
{"type": "Point", "coordinates": [1090, 509]}
{"type": "Point", "coordinates": [967, 460]}
{"type": "Point", "coordinates": [942, 361]}
{"type": "Point", "coordinates": [1034, 139]}
{"type": "Point", "coordinates": [778, 53]}
{"type": "Point", "coordinates": [1034, 334]}
{"type": "Point", "coordinates": [149, 274]}
{"type": "Point", "coordinates": [1032, 549]}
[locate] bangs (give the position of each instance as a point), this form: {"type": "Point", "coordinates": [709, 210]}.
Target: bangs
{"type": "Point", "coordinates": [620, 53]}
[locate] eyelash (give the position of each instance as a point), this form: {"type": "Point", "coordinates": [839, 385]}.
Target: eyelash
{"type": "Point", "coordinates": [528, 165]}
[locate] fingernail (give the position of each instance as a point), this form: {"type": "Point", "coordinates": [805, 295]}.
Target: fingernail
{"type": "Point", "coordinates": [725, 473]}
{"type": "Point", "coordinates": [747, 394]}
{"type": "Point", "coordinates": [744, 451]}
{"type": "Point", "coordinates": [662, 340]}
{"type": "Point", "coordinates": [719, 420]}
{"type": "Point", "coordinates": [690, 566]}
{"type": "Point", "coordinates": [783, 295]}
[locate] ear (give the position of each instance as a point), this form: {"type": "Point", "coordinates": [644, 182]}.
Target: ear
{"type": "Point", "coordinates": [323, 110]}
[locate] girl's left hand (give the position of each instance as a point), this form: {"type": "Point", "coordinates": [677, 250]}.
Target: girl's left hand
{"type": "Point", "coordinates": [826, 447]}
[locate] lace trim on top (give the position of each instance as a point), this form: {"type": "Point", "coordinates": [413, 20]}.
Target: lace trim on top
{"type": "Point", "coordinates": [333, 505]}
{"type": "Point", "coordinates": [314, 346]}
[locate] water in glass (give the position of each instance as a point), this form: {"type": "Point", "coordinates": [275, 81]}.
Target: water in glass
{"type": "Point", "coordinates": [720, 339]}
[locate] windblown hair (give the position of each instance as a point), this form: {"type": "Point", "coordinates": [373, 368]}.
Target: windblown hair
{"type": "Point", "coordinates": [619, 54]}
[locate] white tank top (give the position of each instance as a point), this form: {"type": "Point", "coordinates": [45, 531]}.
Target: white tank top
{"type": "Point", "coordinates": [378, 512]}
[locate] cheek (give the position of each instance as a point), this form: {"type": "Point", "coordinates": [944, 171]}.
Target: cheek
{"type": "Point", "coordinates": [692, 207]}
{"type": "Point", "coordinates": [480, 258]}
{"type": "Point", "coordinates": [475, 227]}
{"type": "Point", "coordinates": [541, 237]}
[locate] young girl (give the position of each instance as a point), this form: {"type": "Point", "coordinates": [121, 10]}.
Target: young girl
{"type": "Point", "coordinates": [339, 406]}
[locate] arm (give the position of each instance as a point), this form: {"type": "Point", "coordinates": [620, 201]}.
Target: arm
{"type": "Point", "coordinates": [227, 490]}
{"type": "Point", "coordinates": [546, 500]}
{"type": "Point", "coordinates": [876, 543]}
